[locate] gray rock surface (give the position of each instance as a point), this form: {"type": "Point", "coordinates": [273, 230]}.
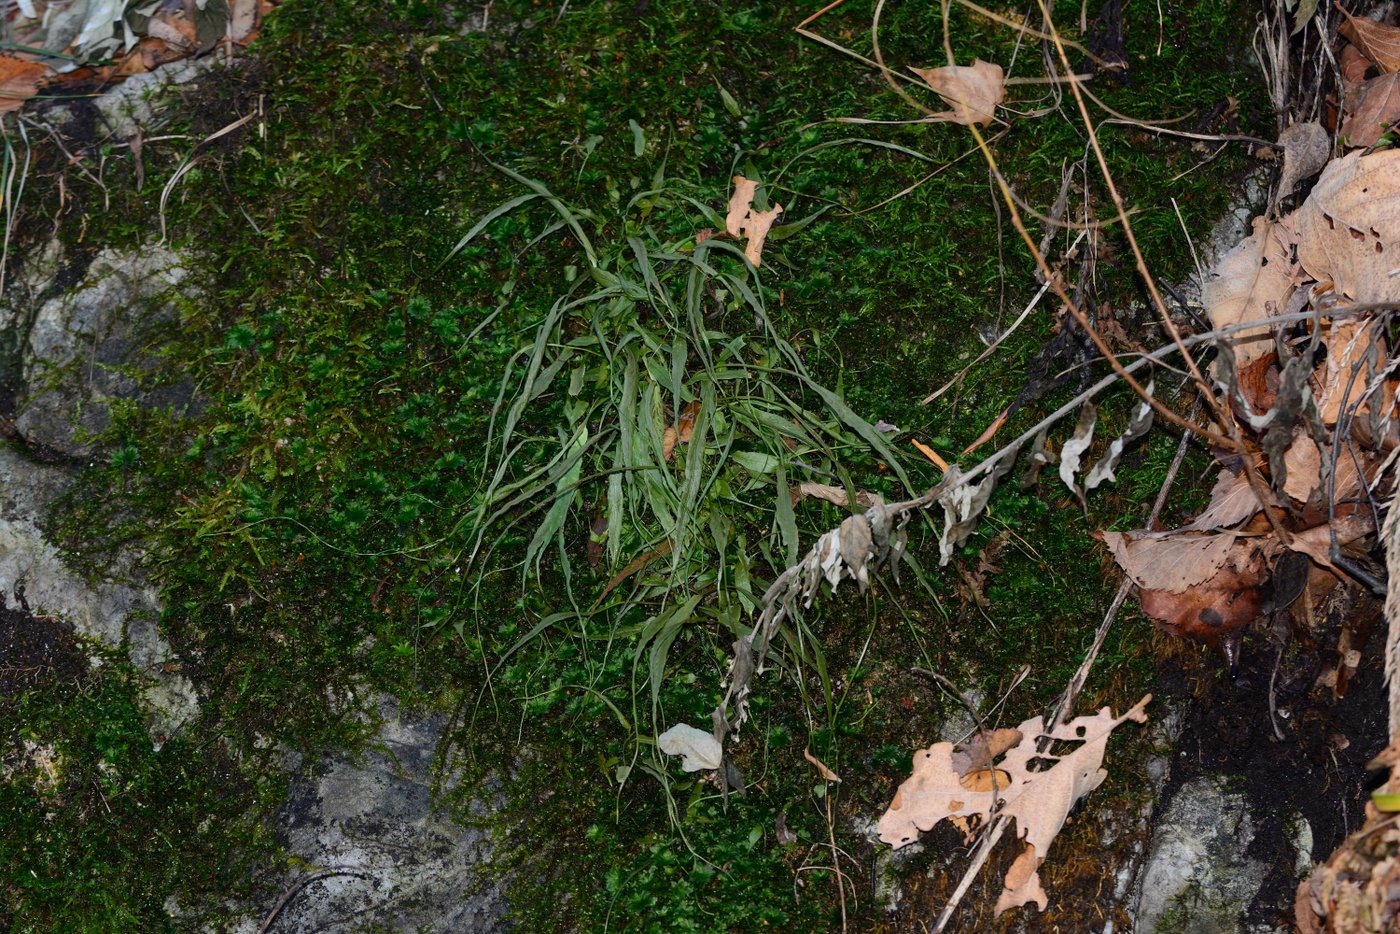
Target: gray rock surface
{"type": "Point", "coordinates": [119, 611]}
{"type": "Point", "coordinates": [77, 345]}
{"type": "Point", "coordinates": [1198, 878]}
{"type": "Point", "coordinates": [404, 865]}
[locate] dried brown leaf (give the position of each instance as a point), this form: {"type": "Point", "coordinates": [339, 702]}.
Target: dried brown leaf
{"type": "Point", "coordinates": [1172, 562]}
{"type": "Point", "coordinates": [1304, 472]}
{"type": "Point", "coordinates": [19, 81]}
{"type": "Point", "coordinates": [743, 221]}
{"type": "Point", "coordinates": [835, 495]}
{"type": "Point", "coordinates": [1214, 609]}
{"type": "Point", "coordinates": [739, 202]}
{"type": "Point", "coordinates": [1232, 501]}
{"type": "Point", "coordinates": [1307, 147]}
{"type": "Point", "coordinates": [1039, 800]}
{"type": "Point", "coordinates": [1374, 107]}
{"type": "Point", "coordinates": [1349, 226]}
{"type": "Point", "coordinates": [1377, 41]}
{"type": "Point", "coordinates": [820, 766]}
{"type": "Point", "coordinates": [1250, 282]}
{"type": "Point", "coordinates": [972, 91]}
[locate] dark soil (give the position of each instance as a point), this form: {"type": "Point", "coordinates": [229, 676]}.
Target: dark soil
{"type": "Point", "coordinates": [1317, 770]}
{"type": "Point", "coordinates": [35, 652]}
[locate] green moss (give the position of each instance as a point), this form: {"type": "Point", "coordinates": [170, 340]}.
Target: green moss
{"type": "Point", "coordinates": [308, 527]}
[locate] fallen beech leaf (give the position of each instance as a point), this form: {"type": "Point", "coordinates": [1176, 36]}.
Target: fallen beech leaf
{"type": "Point", "coordinates": [1250, 282]}
{"type": "Point", "coordinates": [1213, 610]}
{"type": "Point", "coordinates": [699, 750]}
{"type": "Point", "coordinates": [930, 453]}
{"type": "Point", "coordinates": [1349, 229]}
{"type": "Point", "coordinates": [1375, 107]}
{"type": "Point", "coordinates": [1173, 562]}
{"type": "Point", "coordinates": [820, 766]}
{"type": "Point", "coordinates": [19, 81]}
{"type": "Point", "coordinates": [1039, 801]}
{"type": "Point", "coordinates": [973, 91]}
{"type": "Point", "coordinates": [1377, 41]}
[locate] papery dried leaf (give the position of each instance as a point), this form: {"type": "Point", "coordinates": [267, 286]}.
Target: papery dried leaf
{"type": "Point", "coordinates": [930, 453]}
{"type": "Point", "coordinates": [1349, 226]}
{"type": "Point", "coordinates": [1373, 109]}
{"type": "Point", "coordinates": [1377, 41]}
{"type": "Point", "coordinates": [989, 432]}
{"type": "Point", "coordinates": [1305, 482]}
{"type": "Point", "coordinates": [856, 549]}
{"type": "Point", "coordinates": [981, 749]}
{"type": "Point", "coordinates": [1232, 501]}
{"type": "Point", "coordinates": [1040, 457]}
{"type": "Point", "coordinates": [1138, 423]}
{"type": "Point", "coordinates": [1075, 447]}
{"type": "Point", "coordinates": [1172, 562]}
{"type": "Point", "coordinates": [756, 229]}
{"type": "Point", "coordinates": [1353, 522]}
{"type": "Point", "coordinates": [1353, 64]}
{"type": "Point", "coordinates": [699, 751]}
{"type": "Point", "coordinates": [1249, 283]}
{"type": "Point", "coordinates": [835, 495]}
{"type": "Point", "coordinates": [1304, 12]}
{"type": "Point", "coordinates": [1348, 342]}
{"type": "Point", "coordinates": [972, 91]}
{"type": "Point", "coordinates": [1038, 800]}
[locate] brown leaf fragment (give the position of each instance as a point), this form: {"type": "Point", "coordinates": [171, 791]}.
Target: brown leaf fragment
{"type": "Point", "coordinates": [985, 780]}
{"type": "Point", "coordinates": [1349, 226]}
{"type": "Point", "coordinates": [743, 221]}
{"type": "Point", "coordinates": [1377, 41]}
{"type": "Point", "coordinates": [1352, 523]}
{"type": "Point", "coordinates": [982, 748]}
{"type": "Point", "coordinates": [1232, 501]}
{"type": "Point", "coordinates": [1374, 109]}
{"type": "Point", "coordinates": [739, 202]}
{"type": "Point", "coordinates": [1348, 341]}
{"type": "Point", "coordinates": [1354, 64]}
{"type": "Point", "coordinates": [835, 495]}
{"type": "Point", "coordinates": [820, 766]}
{"type": "Point", "coordinates": [681, 432]}
{"type": "Point", "coordinates": [1303, 481]}
{"type": "Point", "coordinates": [972, 91]}
{"type": "Point", "coordinates": [19, 81]}
{"type": "Point", "coordinates": [1212, 611]}
{"type": "Point", "coordinates": [1306, 149]}
{"type": "Point", "coordinates": [1022, 883]}
{"type": "Point", "coordinates": [1172, 562]}
{"type": "Point", "coordinates": [856, 548]}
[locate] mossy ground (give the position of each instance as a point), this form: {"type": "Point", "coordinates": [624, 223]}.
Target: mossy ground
{"type": "Point", "coordinates": [307, 524]}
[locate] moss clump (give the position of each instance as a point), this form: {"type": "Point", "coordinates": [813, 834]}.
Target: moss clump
{"type": "Point", "coordinates": [307, 524]}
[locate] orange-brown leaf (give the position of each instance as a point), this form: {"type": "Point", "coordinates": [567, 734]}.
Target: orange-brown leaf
{"type": "Point", "coordinates": [1377, 107]}
{"type": "Point", "coordinates": [972, 91]}
{"type": "Point", "coordinates": [19, 81]}
{"type": "Point", "coordinates": [1377, 41]}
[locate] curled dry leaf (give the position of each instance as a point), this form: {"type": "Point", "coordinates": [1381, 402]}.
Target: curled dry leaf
{"type": "Point", "coordinates": [1353, 522]}
{"type": "Point", "coordinates": [1303, 481]}
{"type": "Point", "coordinates": [1349, 226]}
{"type": "Point", "coordinates": [681, 432]}
{"type": "Point", "coordinates": [973, 91]}
{"type": "Point", "coordinates": [1138, 422]}
{"type": "Point", "coordinates": [835, 495]}
{"type": "Point", "coordinates": [1306, 149]}
{"type": "Point", "coordinates": [1075, 447]}
{"type": "Point", "coordinates": [1348, 342]}
{"type": "Point", "coordinates": [1373, 108]}
{"type": "Point", "coordinates": [1039, 801]}
{"type": "Point", "coordinates": [1354, 65]}
{"type": "Point", "coordinates": [699, 751]}
{"type": "Point", "coordinates": [982, 749]}
{"type": "Point", "coordinates": [1249, 283]}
